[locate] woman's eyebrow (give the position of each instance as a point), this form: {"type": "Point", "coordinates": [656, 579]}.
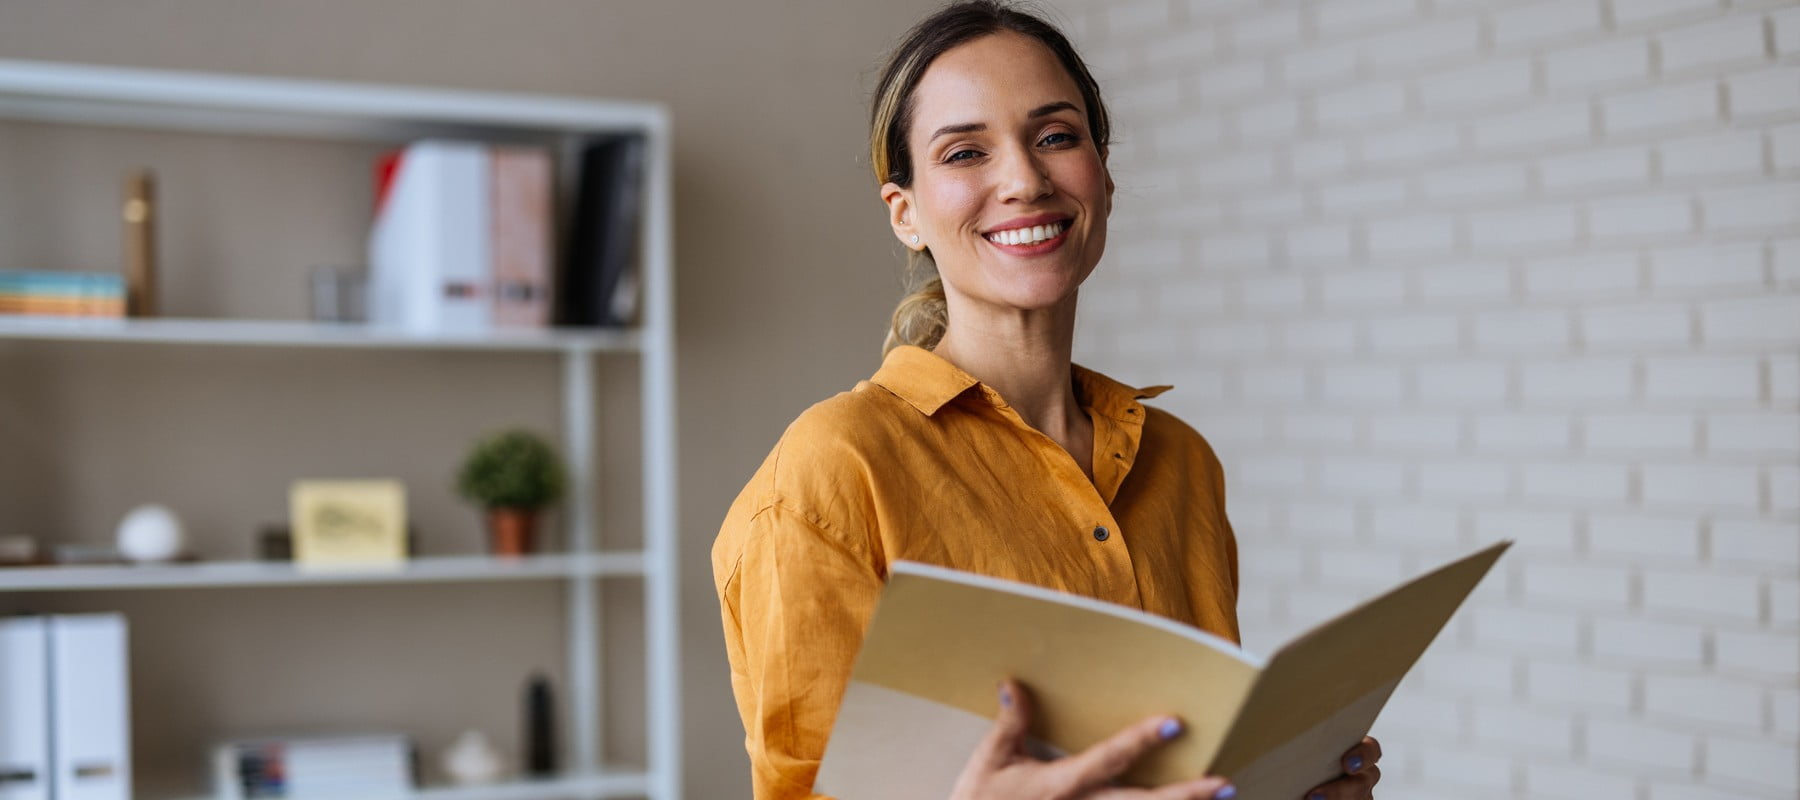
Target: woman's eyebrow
{"type": "Point", "coordinates": [1050, 108]}
{"type": "Point", "coordinates": [970, 127]}
{"type": "Point", "coordinates": [966, 127]}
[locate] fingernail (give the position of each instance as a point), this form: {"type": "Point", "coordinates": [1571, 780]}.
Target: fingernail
{"type": "Point", "coordinates": [1355, 763]}
{"type": "Point", "coordinates": [1170, 728]}
{"type": "Point", "coordinates": [1225, 793]}
{"type": "Point", "coordinates": [1315, 796]}
{"type": "Point", "coordinates": [1005, 696]}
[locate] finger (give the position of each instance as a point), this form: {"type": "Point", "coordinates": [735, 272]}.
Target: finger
{"type": "Point", "coordinates": [1360, 786]}
{"type": "Point", "coordinates": [1104, 760]}
{"type": "Point", "coordinates": [1201, 789]}
{"type": "Point", "coordinates": [1001, 743]}
{"type": "Point", "coordinates": [1360, 756]}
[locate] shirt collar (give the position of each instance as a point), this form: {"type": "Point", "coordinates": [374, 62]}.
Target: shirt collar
{"type": "Point", "coordinates": [928, 382]}
{"type": "Point", "coordinates": [1111, 398]}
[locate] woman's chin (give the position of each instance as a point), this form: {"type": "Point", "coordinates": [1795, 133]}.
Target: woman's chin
{"type": "Point", "coordinates": [1034, 300]}
{"type": "Point", "coordinates": [1037, 285]}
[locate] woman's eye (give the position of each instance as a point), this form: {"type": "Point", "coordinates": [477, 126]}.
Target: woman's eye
{"type": "Point", "coordinates": [1060, 137]}
{"type": "Point", "coordinates": [962, 155]}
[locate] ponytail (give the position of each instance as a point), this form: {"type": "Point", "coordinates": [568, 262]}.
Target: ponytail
{"type": "Point", "coordinates": [922, 315]}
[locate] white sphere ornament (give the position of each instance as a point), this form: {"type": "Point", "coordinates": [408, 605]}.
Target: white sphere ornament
{"type": "Point", "coordinates": [150, 534]}
{"type": "Point", "coordinates": [472, 759]}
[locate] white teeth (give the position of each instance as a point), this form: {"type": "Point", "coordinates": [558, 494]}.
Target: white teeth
{"type": "Point", "coordinates": [1031, 235]}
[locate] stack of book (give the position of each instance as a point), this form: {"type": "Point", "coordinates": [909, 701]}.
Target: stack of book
{"type": "Point", "coordinates": [321, 768]}
{"type": "Point", "coordinates": [62, 294]}
{"type": "Point", "coordinates": [463, 236]}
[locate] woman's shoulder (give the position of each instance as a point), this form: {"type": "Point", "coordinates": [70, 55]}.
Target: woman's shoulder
{"type": "Point", "coordinates": [831, 448]}
{"type": "Point", "coordinates": [818, 478]}
{"type": "Point", "coordinates": [1165, 430]}
{"type": "Point", "coordinates": [843, 430]}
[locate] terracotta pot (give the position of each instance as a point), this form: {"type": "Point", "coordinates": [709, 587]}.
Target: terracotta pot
{"type": "Point", "coordinates": [511, 531]}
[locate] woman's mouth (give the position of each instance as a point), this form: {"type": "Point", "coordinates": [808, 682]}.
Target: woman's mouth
{"type": "Point", "coordinates": [1030, 239]}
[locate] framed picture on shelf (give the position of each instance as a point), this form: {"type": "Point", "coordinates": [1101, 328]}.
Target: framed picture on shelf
{"type": "Point", "coordinates": [348, 523]}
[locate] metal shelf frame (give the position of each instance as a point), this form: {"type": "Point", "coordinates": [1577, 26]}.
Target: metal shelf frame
{"type": "Point", "coordinates": [233, 104]}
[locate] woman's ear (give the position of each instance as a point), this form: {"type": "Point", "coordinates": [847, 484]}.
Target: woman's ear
{"type": "Point", "coordinates": [900, 216]}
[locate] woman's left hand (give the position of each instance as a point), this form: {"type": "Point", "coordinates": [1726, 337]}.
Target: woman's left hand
{"type": "Point", "coordinates": [1360, 775]}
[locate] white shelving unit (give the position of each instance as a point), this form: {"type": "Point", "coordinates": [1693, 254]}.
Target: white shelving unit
{"type": "Point", "coordinates": [617, 782]}
{"type": "Point", "coordinates": [167, 100]}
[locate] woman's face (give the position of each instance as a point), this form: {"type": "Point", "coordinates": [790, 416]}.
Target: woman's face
{"type": "Point", "coordinates": [1009, 191]}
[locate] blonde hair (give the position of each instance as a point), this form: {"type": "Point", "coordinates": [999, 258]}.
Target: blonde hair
{"type": "Point", "coordinates": [922, 317]}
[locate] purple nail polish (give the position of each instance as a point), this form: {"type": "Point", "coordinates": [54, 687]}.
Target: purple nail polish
{"type": "Point", "coordinates": [1005, 697]}
{"type": "Point", "coordinates": [1225, 792]}
{"type": "Point", "coordinates": [1355, 763]}
{"type": "Point", "coordinates": [1315, 796]}
{"type": "Point", "coordinates": [1170, 729]}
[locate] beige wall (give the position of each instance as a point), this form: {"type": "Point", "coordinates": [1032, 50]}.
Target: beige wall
{"type": "Point", "coordinates": [785, 272]}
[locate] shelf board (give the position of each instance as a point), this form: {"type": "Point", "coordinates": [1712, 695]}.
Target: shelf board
{"type": "Point", "coordinates": [223, 574]}
{"type": "Point", "coordinates": [574, 787]}
{"type": "Point", "coordinates": [263, 333]}
{"type": "Point", "coordinates": [241, 104]}
{"type": "Point", "coordinates": [624, 782]}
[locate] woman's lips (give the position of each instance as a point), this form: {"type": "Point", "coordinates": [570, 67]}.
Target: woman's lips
{"type": "Point", "coordinates": [1034, 248]}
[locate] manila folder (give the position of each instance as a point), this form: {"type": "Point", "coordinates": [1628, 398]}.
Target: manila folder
{"type": "Point", "coordinates": [923, 692]}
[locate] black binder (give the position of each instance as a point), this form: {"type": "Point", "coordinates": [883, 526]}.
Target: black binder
{"type": "Point", "coordinates": [599, 275]}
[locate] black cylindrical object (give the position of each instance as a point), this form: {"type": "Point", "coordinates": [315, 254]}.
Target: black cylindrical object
{"type": "Point", "coordinates": [540, 728]}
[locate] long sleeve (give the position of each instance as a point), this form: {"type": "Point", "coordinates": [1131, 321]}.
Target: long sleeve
{"type": "Point", "coordinates": [795, 602]}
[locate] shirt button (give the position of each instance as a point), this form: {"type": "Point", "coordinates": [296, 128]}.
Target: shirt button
{"type": "Point", "coordinates": [1100, 533]}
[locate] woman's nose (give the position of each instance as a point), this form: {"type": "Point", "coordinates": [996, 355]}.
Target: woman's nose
{"type": "Point", "coordinates": [1023, 177]}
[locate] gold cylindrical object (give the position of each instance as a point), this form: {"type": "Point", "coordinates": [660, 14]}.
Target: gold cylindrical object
{"type": "Point", "coordinates": [140, 244]}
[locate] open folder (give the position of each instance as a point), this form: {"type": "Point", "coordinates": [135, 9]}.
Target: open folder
{"type": "Point", "coordinates": [923, 692]}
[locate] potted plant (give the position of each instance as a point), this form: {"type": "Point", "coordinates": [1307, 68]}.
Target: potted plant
{"type": "Point", "coordinates": [512, 474]}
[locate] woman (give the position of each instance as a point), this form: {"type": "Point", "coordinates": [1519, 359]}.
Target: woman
{"type": "Point", "coordinates": [978, 445]}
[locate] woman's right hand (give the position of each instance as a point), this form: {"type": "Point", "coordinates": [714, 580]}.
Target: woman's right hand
{"type": "Point", "coordinates": [1000, 769]}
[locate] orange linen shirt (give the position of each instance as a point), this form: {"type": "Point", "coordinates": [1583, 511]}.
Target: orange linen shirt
{"type": "Point", "coordinates": [924, 463]}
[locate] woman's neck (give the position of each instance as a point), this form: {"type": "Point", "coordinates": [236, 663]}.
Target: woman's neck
{"type": "Point", "coordinates": [1025, 356]}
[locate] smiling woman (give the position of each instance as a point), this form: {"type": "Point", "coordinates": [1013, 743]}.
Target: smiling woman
{"type": "Point", "coordinates": [1010, 191]}
{"type": "Point", "coordinates": [978, 445]}
{"type": "Point", "coordinates": [921, 317]}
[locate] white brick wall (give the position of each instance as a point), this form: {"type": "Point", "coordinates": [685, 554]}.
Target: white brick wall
{"type": "Point", "coordinates": [1431, 273]}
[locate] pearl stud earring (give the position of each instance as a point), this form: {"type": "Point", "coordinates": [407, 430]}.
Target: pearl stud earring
{"type": "Point", "coordinates": [915, 238]}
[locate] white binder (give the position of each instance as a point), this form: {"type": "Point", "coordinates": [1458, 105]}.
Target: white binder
{"type": "Point", "coordinates": [24, 709]}
{"type": "Point", "coordinates": [430, 248]}
{"type": "Point", "coordinates": [90, 708]}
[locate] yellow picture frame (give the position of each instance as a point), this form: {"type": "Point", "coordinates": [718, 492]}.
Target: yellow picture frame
{"type": "Point", "coordinates": [348, 522]}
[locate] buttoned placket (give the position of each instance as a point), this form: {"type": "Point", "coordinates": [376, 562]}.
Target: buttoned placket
{"type": "Point", "coordinates": [1110, 550]}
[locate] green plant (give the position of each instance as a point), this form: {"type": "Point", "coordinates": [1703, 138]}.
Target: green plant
{"type": "Point", "coordinates": [511, 469]}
